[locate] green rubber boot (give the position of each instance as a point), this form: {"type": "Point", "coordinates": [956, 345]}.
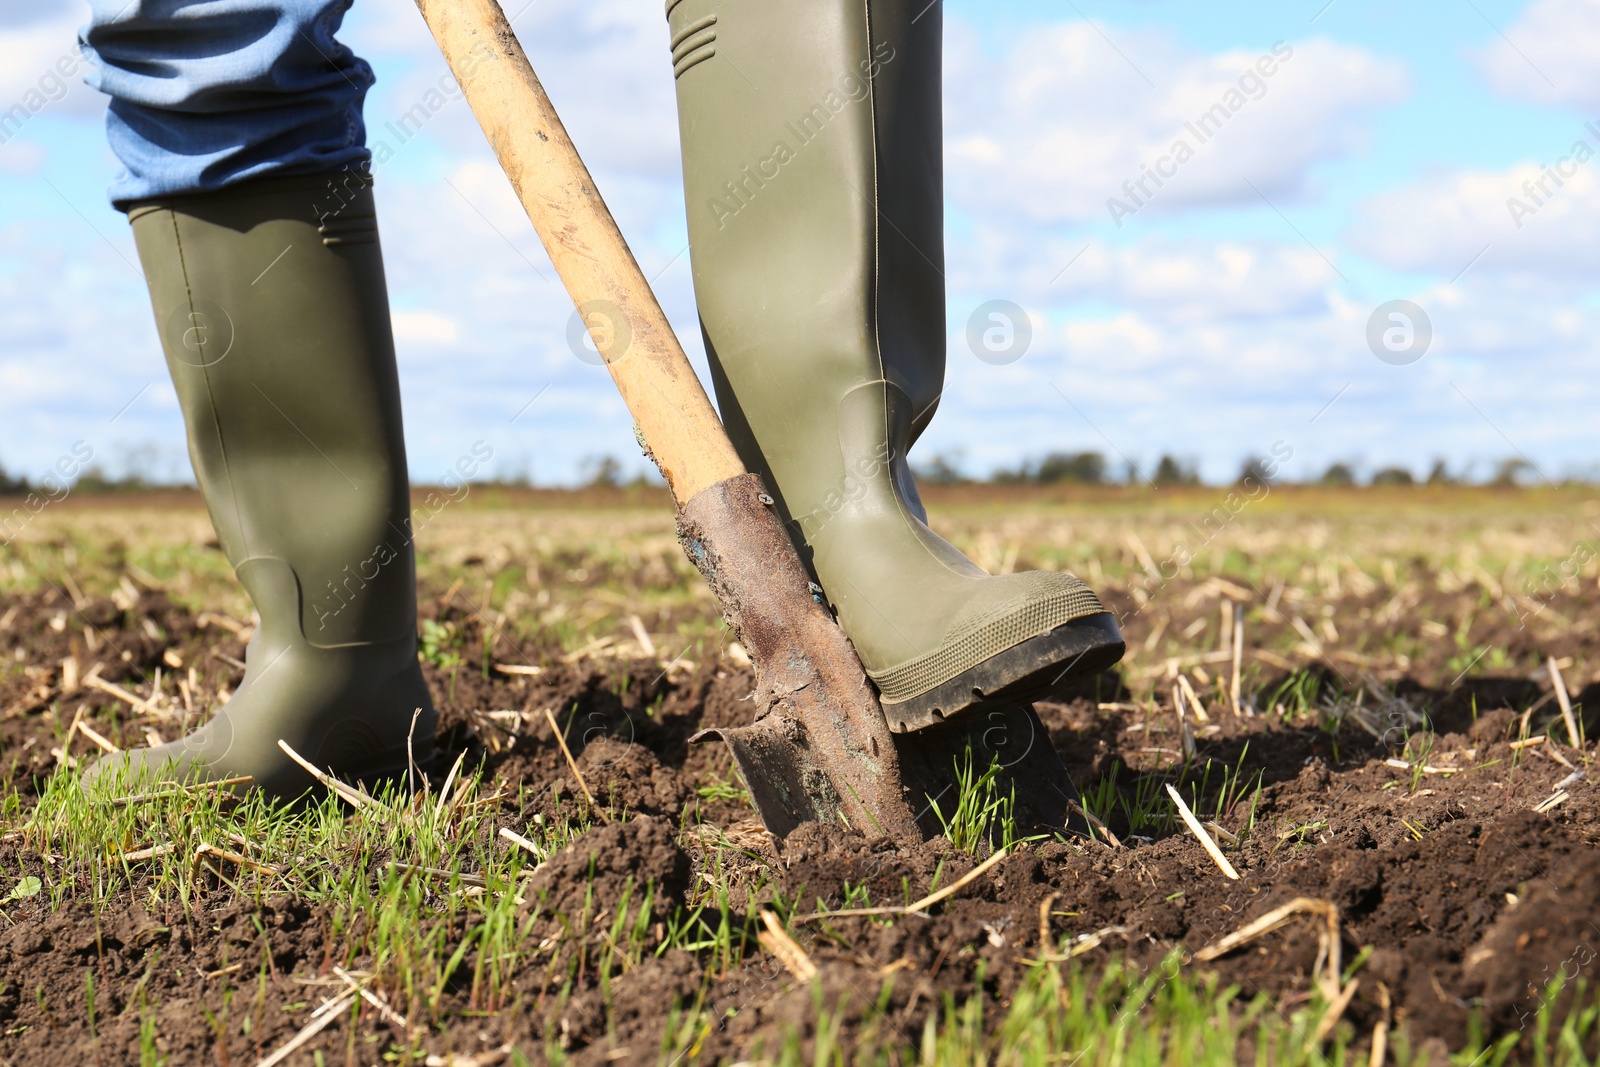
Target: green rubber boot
{"type": "Point", "coordinates": [276, 332]}
{"type": "Point", "coordinates": [812, 156]}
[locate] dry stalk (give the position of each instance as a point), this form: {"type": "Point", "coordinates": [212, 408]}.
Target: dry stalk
{"type": "Point", "coordinates": [138, 703]}
{"type": "Point", "coordinates": [320, 1021]}
{"type": "Point", "coordinates": [1380, 1031]}
{"type": "Point", "coordinates": [1572, 779]}
{"type": "Point", "coordinates": [97, 737]}
{"type": "Point", "coordinates": [236, 664]}
{"type": "Point", "coordinates": [1552, 802]}
{"type": "Point", "coordinates": [1566, 704]}
{"type": "Point", "coordinates": [776, 940]}
{"type": "Point", "coordinates": [1272, 659]}
{"type": "Point", "coordinates": [1083, 943]}
{"type": "Point", "coordinates": [234, 858]}
{"type": "Point", "coordinates": [1185, 735]}
{"type": "Point", "coordinates": [79, 601]}
{"type": "Point", "coordinates": [1311, 640]}
{"type": "Point", "coordinates": [1200, 832]}
{"type": "Point", "coordinates": [242, 841]}
{"type": "Point", "coordinates": [476, 880]}
{"type": "Point", "coordinates": [1269, 922]}
{"type": "Point", "coordinates": [1142, 554]}
{"type": "Point", "coordinates": [1553, 753]}
{"type": "Point", "coordinates": [1194, 701]}
{"type": "Point", "coordinates": [521, 842]}
{"type": "Point", "coordinates": [486, 1058]}
{"type": "Point", "coordinates": [359, 987]}
{"type": "Point", "coordinates": [1044, 918]}
{"type": "Point", "coordinates": [1522, 727]}
{"type": "Point", "coordinates": [1153, 638]}
{"type": "Point", "coordinates": [1088, 942]}
{"type": "Point", "coordinates": [348, 793]}
{"type": "Point", "coordinates": [567, 752]}
{"type": "Point", "coordinates": [208, 618]}
{"type": "Point", "coordinates": [1335, 1012]}
{"type": "Point", "coordinates": [444, 790]}
{"type": "Point", "coordinates": [913, 909]}
{"type": "Point", "coordinates": [597, 645]}
{"type": "Point", "coordinates": [640, 634]}
{"type": "Point", "coordinates": [62, 753]}
{"type": "Point", "coordinates": [950, 890]}
{"type": "Point", "coordinates": [526, 671]}
{"type": "Point", "coordinates": [1111, 838]}
{"type": "Point", "coordinates": [180, 789]}
{"type": "Point", "coordinates": [1238, 658]}
{"type": "Point", "coordinates": [1427, 768]}
{"type": "Point", "coordinates": [139, 855]}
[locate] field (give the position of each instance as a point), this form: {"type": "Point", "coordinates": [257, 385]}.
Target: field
{"type": "Point", "coordinates": [1390, 769]}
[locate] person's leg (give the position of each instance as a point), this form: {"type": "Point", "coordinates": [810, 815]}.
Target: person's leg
{"type": "Point", "coordinates": [812, 152]}
{"type": "Point", "coordinates": [268, 290]}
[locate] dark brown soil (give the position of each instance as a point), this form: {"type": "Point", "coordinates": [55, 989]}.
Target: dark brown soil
{"type": "Point", "coordinates": [1469, 901]}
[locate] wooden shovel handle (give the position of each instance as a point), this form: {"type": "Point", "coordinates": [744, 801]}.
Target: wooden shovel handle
{"type": "Point", "coordinates": [670, 406]}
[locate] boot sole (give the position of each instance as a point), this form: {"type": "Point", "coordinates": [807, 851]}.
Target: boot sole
{"type": "Point", "coordinates": [1023, 673]}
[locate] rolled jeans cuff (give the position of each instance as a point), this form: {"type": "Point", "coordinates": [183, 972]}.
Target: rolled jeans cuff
{"type": "Point", "coordinates": [207, 95]}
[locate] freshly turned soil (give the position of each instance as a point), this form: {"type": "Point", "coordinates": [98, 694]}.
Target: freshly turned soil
{"type": "Point", "coordinates": [1469, 900]}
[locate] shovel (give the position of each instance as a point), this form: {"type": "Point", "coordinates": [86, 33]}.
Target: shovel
{"type": "Point", "coordinates": [820, 749]}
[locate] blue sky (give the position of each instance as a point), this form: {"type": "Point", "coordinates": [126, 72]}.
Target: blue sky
{"type": "Point", "coordinates": [1229, 314]}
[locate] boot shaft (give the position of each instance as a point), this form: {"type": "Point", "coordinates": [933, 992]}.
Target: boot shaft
{"type": "Point", "coordinates": [812, 168]}
{"type": "Point", "coordinates": [273, 314]}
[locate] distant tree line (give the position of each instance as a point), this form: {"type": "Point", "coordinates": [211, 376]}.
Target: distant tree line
{"type": "Point", "coordinates": [92, 480]}
{"type": "Point", "coordinates": [1061, 468]}
{"type": "Point", "coordinates": [1053, 468]}
{"type": "Point", "coordinates": [1507, 472]}
{"type": "Point", "coordinates": [1092, 468]}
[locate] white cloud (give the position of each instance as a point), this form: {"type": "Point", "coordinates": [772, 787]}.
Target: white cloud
{"type": "Point", "coordinates": [41, 71]}
{"type": "Point", "coordinates": [1140, 384]}
{"type": "Point", "coordinates": [1053, 128]}
{"type": "Point", "coordinates": [605, 63]}
{"type": "Point", "coordinates": [424, 328]}
{"type": "Point", "coordinates": [1193, 280]}
{"type": "Point", "coordinates": [1125, 335]}
{"type": "Point", "coordinates": [464, 254]}
{"type": "Point", "coordinates": [1517, 220]}
{"type": "Point", "coordinates": [1548, 54]}
{"type": "Point", "coordinates": [80, 350]}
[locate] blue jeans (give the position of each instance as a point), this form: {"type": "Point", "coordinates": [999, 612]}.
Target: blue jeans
{"type": "Point", "coordinates": [207, 94]}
